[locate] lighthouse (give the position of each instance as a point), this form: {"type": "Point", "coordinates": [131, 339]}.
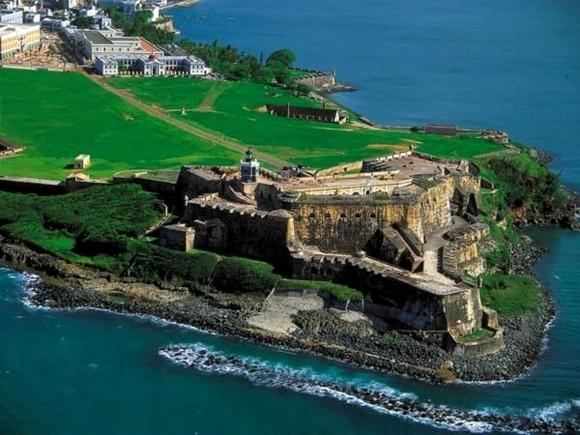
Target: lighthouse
{"type": "Point", "coordinates": [249, 167]}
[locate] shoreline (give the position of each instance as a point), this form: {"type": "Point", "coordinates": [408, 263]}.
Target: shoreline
{"type": "Point", "coordinates": [202, 357]}
{"type": "Point", "coordinates": [65, 286]}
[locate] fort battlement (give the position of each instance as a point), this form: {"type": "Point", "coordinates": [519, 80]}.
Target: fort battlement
{"type": "Point", "coordinates": [239, 229]}
{"type": "Point", "coordinates": [414, 300]}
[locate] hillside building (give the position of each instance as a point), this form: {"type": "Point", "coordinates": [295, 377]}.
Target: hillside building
{"type": "Point", "coordinates": [150, 65]}
{"type": "Point", "coordinates": [11, 16]}
{"type": "Point", "coordinates": [97, 43]}
{"type": "Point", "coordinates": [18, 38]}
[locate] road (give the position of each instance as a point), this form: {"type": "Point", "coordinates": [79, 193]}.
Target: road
{"type": "Point", "coordinates": [195, 131]}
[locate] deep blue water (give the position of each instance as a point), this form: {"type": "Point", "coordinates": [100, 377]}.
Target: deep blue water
{"type": "Point", "coordinates": [508, 64]}
{"type": "Point", "coordinates": [513, 65]}
{"type": "Point", "coordinates": [92, 372]}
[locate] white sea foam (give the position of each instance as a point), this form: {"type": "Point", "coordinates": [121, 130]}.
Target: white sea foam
{"type": "Point", "coordinates": [375, 395]}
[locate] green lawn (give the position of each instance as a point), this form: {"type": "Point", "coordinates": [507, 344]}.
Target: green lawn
{"type": "Point", "coordinates": [57, 116]}
{"type": "Point", "coordinates": [510, 295]}
{"type": "Point", "coordinates": [477, 335]}
{"type": "Point", "coordinates": [233, 111]}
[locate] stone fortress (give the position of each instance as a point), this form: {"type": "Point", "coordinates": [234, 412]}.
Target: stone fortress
{"type": "Point", "coordinates": [402, 228]}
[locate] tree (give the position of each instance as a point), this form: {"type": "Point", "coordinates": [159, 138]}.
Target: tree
{"type": "Point", "coordinates": [83, 22]}
{"type": "Point", "coordinates": [283, 56]}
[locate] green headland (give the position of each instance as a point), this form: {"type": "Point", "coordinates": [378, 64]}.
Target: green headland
{"type": "Point", "coordinates": [72, 115]}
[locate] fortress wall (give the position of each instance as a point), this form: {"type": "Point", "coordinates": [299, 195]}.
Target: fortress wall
{"type": "Point", "coordinates": [346, 227]}
{"type": "Point", "coordinates": [242, 232]}
{"type": "Point", "coordinates": [318, 80]}
{"type": "Point", "coordinates": [418, 309]}
{"type": "Point", "coordinates": [392, 299]}
{"type": "Point", "coordinates": [463, 311]}
{"type": "Point", "coordinates": [31, 185]}
{"type": "Point", "coordinates": [194, 184]}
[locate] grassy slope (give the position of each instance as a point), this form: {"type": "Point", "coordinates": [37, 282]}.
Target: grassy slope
{"type": "Point", "coordinates": [315, 144]}
{"type": "Point", "coordinates": [60, 115]}
{"type": "Point", "coordinates": [510, 295]}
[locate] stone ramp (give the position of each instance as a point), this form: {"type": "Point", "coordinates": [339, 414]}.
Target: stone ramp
{"type": "Point", "coordinates": [276, 314]}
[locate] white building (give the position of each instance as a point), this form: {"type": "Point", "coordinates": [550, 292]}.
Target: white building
{"type": "Point", "coordinates": [98, 43]}
{"type": "Point", "coordinates": [82, 161]}
{"type": "Point", "coordinates": [32, 18]}
{"type": "Point", "coordinates": [150, 65]}
{"type": "Point", "coordinates": [11, 16]}
{"type": "Point", "coordinates": [88, 11]}
{"type": "Point", "coordinates": [18, 38]}
{"type": "Point", "coordinates": [54, 24]}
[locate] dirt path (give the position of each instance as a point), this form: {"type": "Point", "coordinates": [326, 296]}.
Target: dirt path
{"type": "Point", "coordinates": [210, 98]}
{"type": "Point", "coordinates": [197, 132]}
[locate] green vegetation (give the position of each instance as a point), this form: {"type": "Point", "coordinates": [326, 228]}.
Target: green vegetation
{"type": "Point", "coordinates": [390, 338]}
{"type": "Point", "coordinates": [70, 115]}
{"type": "Point", "coordinates": [139, 25]}
{"type": "Point", "coordinates": [83, 22]}
{"type": "Point", "coordinates": [339, 291]}
{"type": "Point", "coordinates": [88, 227]}
{"type": "Point", "coordinates": [524, 182]}
{"type": "Point", "coordinates": [510, 295]}
{"type": "Point", "coordinates": [523, 186]}
{"type": "Point", "coordinates": [235, 109]}
{"type": "Point", "coordinates": [236, 65]}
{"type": "Point", "coordinates": [236, 274]}
{"type": "Point", "coordinates": [120, 137]}
{"type": "Point", "coordinates": [152, 263]}
{"type": "Point", "coordinates": [104, 226]}
{"type": "Point", "coordinates": [477, 335]}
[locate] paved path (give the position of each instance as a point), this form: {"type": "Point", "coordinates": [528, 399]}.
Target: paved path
{"type": "Point", "coordinates": [195, 131]}
{"type": "Point", "coordinates": [434, 242]}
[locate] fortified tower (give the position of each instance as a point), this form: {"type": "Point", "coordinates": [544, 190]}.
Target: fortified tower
{"type": "Point", "coordinates": [250, 168]}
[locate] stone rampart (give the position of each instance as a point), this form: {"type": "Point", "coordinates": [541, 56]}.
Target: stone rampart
{"type": "Point", "coordinates": [31, 185]}
{"type": "Point", "coordinates": [241, 230]}
{"type": "Point", "coordinates": [395, 294]}
{"type": "Point", "coordinates": [344, 225]}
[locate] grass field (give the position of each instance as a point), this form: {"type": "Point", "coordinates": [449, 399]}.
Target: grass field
{"type": "Point", "coordinates": [57, 116]}
{"type": "Point", "coordinates": [510, 295]}
{"type": "Point", "coordinates": [234, 113]}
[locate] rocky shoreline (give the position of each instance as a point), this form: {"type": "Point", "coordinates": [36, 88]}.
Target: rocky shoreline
{"type": "Point", "coordinates": [321, 332]}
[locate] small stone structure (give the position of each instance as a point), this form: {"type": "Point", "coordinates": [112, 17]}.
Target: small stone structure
{"type": "Point", "coordinates": [82, 161]}
{"type": "Point", "coordinates": [496, 136]}
{"type": "Point", "coordinates": [178, 237]}
{"type": "Point", "coordinates": [307, 113]}
{"type": "Point", "coordinates": [441, 129]}
{"type": "Point", "coordinates": [7, 150]}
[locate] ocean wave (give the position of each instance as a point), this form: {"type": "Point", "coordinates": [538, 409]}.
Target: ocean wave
{"type": "Point", "coordinates": [374, 395]}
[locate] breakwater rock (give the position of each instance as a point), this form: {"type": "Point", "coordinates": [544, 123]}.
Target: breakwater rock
{"type": "Point", "coordinates": [374, 395]}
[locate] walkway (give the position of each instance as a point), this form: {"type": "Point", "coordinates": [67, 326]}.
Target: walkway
{"type": "Point", "coordinates": [195, 131]}
{"type": "Point", "coordinates": [435, 241]}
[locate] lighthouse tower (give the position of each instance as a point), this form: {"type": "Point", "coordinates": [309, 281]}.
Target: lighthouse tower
{"type": "Point", "coordinates": [250, 167]}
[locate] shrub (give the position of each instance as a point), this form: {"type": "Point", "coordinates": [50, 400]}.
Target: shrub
{"type": "Point", "coordinates": [341, 292]}
{"type": "Point", "coordinates": [152, 263]}
{"type": "Point", "coordinates": [236, 274]}
{"type": "Point", "coordinates": [90, 222]}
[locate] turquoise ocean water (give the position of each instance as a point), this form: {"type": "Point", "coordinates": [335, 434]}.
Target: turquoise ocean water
{"type": "Point", "coordinates": [514, 65]}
